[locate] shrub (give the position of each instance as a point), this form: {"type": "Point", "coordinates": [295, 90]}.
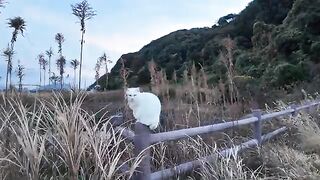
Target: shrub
{"type": "Point", "coordinates": [261, 34]}
{"type": "Point", "coordinates": [288, 73]}
{"type": "Point", "coordinates": [287, 40]}
{"type": "Point", "coordinates": [315, 51]}
{"type": "Point", "coordinates": [249, 64]}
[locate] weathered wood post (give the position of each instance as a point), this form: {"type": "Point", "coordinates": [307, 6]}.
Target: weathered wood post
{"type": "Point", "coordinates": [294, 107]}
{"type": "Point", "coordinates": [141, 142]}
{"type": "Point", "coordinates": [317, 106]}
{"type": "Point", "coordinates": [257, 125]}
{"type": "Point", "coordinates": [309, 107]}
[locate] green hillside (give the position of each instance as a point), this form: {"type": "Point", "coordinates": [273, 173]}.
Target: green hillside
{"type": "Point", "coordinates": [274, 44]}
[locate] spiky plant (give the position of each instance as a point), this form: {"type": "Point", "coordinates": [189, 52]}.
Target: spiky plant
{"type": "Point", "coordinates": [44, 68]}
{"type": "Point", "coordinates": [20, 74]}
{"type": "Point", "coordinates": [2, 4]}
{"type": "Point", "coordinates": [74, 64]}
{"type": "Point", "coordinates": [41, 62]}
{"type": "Point", "coordinates": [49, 53]}
{"type": "Point", "coordinates": [226, 57]}
{"type": "Point", "coordinates": [97, 69]}
{"type": "Point", "coordinates": [83, 11]}
{"type": "Point", "coordinates": [19, 25]}
{"type": "Point", "coordinates": [54, 79]}
{"type": "Point", "coordinates": [155, 81]}
{"type": "Point", "coordinates": [104, 59]}
{"type": "Point", "coordinates": [124, 73]}
{"type": "Point", "coordinates": [8, 53]}
{"type": "Point", "coordinates": [59, 39]}
{"type": "Point", "coordinates": [61, 62]}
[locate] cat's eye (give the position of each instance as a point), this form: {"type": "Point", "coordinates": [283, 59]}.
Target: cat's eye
{"type": "Point", "coordinates": [134, 95]}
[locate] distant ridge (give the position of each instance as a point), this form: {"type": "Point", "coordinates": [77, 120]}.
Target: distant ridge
{"type": "Point", "coordinates": [276, 44]}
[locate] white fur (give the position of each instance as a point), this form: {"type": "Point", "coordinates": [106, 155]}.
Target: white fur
{"type": "Point", "coordinates": [146, 107]}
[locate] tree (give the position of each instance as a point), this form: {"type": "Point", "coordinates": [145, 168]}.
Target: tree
{"type": "Point", "coordinates": [19, 25]}
{"type": "Point", "coordinates": [54, 79]}
{"type": "Point", "coordinates": [61, 62]}
{"type": "Point", "coordinates": [104, 59]}
{"type": "Point", "coordinates": [97, 69]}
{"type": "Point", "coordinates": [74, 64]}
{"type": "Point", "coordinates": [2, 4]}
{"type": "Point", "coordinates": [20, 74]}
{"type": "Point", "coordinates": [41, 62]}
{"type": "Point", "coordinates": [8, 53]}
{"type": "Point", "coordinates": [49, 53]}
{"type": "Point", "coordinates": [226, 19]}
{"type": "Point", "coordinates": [59, 39]}
{"type": "Point", "coordinates": [44, 67]}
{"type": "Point", "coordinates": [83, 12]}
{"type": "Point", "coordinates": [226, 57]}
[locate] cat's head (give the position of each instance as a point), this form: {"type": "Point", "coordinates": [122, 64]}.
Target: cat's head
{"type": "Point", "coordinates": [131, 93]}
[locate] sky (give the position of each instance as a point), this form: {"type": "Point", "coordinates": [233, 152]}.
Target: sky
{"type": "Point", "coordinates": [120, 27]}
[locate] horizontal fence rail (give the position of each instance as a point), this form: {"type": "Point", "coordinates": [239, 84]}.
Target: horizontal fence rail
{"type": "Point", "coordinates": [184, 133]}
{"type": "Point", "coordinates": [125, 132]}
{"type": "Point", "coordinates": [142, 139]}
{"type": "Point", "coordinates": [186, 167]}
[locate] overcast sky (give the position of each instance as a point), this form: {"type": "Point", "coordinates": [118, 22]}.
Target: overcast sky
{"type": "Point", "coordinates": [121, 26]}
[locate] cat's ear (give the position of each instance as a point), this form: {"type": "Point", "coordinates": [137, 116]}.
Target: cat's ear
{"type": "Point", "coordinates": [137, 89]}
{"type": "Point", "coordinates": [130, 90]}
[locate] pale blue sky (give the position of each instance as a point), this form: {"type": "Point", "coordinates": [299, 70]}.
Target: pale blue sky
{"type": "Point", "coordinates": [121, 26]}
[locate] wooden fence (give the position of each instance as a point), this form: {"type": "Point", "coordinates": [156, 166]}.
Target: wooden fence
{"type": "Point", "coordinates": [143, 139]}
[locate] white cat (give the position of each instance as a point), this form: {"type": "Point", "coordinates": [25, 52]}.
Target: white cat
{"type": "Point", "coordinates": [146, 107]}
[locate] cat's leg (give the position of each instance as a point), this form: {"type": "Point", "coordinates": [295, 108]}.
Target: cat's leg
{"type": "Point", "coordinates": [154, 123]}
{"type": "Point", "coordinates": [153, 126]}
{"type": "Point", "coordinates": [135, 114]}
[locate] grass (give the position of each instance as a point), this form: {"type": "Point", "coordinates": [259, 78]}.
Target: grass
{"type": "Point", "coordinates": [56, 139]}
{"type": "Point", "coordinates": [69, 136]}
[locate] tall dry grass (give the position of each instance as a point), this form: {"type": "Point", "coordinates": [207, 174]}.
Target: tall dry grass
{"type": "Point", "coordinates": [294, 155]}
{"type": "Point", "coordinates": [57, 139]}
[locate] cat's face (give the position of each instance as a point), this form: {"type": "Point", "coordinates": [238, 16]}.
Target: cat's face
{"type": "Point", "coordinates": [131, 93]}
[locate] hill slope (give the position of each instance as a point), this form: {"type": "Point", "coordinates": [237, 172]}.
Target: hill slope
{"type": "Point", "coordinates": [276, 43]}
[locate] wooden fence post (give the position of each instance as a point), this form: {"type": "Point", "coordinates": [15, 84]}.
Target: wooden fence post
{"type": "Point", "coordinates": [257, 125]}
{"type": "Point", "coordinates": [141, 143]}
{"type": "Point", "coordinates": [308, 109]}
{"type": "Point", "coordinates": [294, 107]}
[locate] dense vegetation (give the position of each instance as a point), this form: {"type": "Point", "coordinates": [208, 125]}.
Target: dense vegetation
{"type": "Point", "coordinates": [274, 44]}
